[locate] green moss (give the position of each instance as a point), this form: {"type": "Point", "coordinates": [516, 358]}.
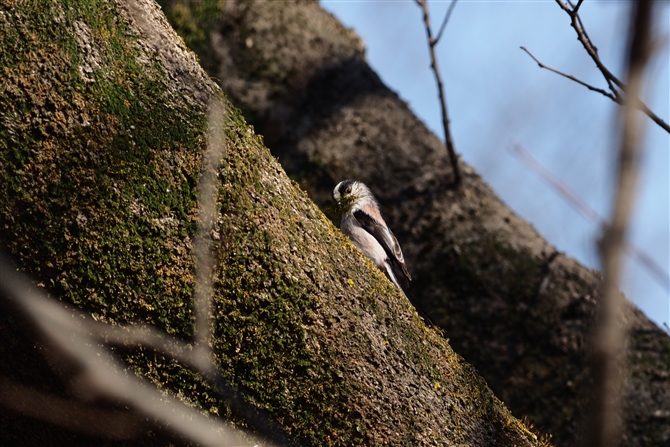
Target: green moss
{"type": "Point", "coordinates": [486, 280]}
{"type": "Point", "coordinates": [193, 20]}
{"type": "Point", "coordinates": [101, 163]}
{"type": "Point", "coordinates": [100, 203]}
{"type": "Point", "coordinates": [262, 309]}
{"type": "Point", "coordinates": [91, 157]}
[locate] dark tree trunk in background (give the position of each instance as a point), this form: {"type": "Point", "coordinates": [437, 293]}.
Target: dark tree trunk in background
{"type": "Point", "coordinates": [520, 312]}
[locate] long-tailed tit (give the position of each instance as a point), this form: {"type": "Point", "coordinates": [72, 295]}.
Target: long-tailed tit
{"type": "Point", "coordinates": [363, 223]}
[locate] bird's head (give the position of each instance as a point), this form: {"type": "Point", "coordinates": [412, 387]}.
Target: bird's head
{"type": "Point", "coordinates": [351, 193]}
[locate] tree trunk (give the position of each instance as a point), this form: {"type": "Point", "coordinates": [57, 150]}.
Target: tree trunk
{"type": "Point", "coordinates": [104, 122]}
{"type": "Point", "coordinates": [521, 312]}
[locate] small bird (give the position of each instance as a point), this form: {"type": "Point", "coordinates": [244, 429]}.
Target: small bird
{"type": "Point", "coordinates": [362, 221]}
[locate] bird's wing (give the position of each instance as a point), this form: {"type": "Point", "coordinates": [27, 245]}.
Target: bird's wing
{"type": "Point", "coordinates": [386, 239]}
{"type": "Point", "coordinates": [395, 267]}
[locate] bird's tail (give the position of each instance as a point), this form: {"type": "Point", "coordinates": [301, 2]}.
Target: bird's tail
{"type": "Point", "coordinates": [422, 314]}
{"type": "Point", "coordinates": [402, 283]}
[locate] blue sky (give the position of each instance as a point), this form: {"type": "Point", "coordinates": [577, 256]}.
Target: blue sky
{"type": "Point", "coordinates": [498, 97]}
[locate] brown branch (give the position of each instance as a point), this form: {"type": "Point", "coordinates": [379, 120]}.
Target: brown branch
{"type": "Point", "coordinates": [614, 98]}
{"type": "Point", "coordinates": [559, 185]}
{"type": "Point", "coordinates": [453, 158]}
{"type": "Point", "coordinates": [655, 118]}
{"type": "Point", "coordinates": [576, 8]}
{"type": "Point", "coordinates": [79, 339]}
{"type": "Point", "coordinates": [611, 338]}
{"type": "Point", "coordinates": [579, 204]}
{"type": "Point", "coordinates": [614, 84]}
{"type": "Point", "coordinates": [576, 23]}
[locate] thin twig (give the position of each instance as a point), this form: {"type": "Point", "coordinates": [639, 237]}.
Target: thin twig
{"type": "Point", "coordinates": [611, 337]}
{"type": "Point", "coordinates": [655, 118]}
{"type": "Point", "coordinates": [614, 98]}
{"type": "Point", "coordinates": [195, 357]}
{"type": "Point", "coordinates": [614, 84]}
{"type": "Point", "coordinates": [574, 200]}
{"type": "Point", "coordinates": [202, 356]}
{"type": "Point", "coordinates": [576, 23]}
{"type": "Point", "coordinates": [453, 158]}
{"type": "Point", "coordinates": [452, 5]}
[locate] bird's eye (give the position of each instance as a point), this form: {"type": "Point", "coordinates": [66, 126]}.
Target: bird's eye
{"type": "Point", "coordinates": [348, 190]}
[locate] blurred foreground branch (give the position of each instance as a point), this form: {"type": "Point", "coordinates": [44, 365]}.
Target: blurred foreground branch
{"type": "Point", "coordinates": [574, 200]}
{"type": "Point", "coordinates": [432, 42]}
{"type": "Point", "coordinates": [105, 375]}
{"type": "Point", "coordinates": [611, 339]}
{"type": "Point", "coordinates": [84, 340]}
{"type": "Point", "coordinates": [75, 416]}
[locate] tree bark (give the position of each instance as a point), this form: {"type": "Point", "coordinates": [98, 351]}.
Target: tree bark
{"type": "Point", "coordinates": [514, 307]}
{"type": "Point", "coordinates": [103, 127]}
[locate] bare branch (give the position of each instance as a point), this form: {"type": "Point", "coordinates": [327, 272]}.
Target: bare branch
{"type": "Point", "coordinates": [452, 5]}
{"type": "Point", "coordinates": [575, 8]}
{"type": "Point", "coordinates": [79, 338]}
{"type": "Point", "coordinates": [136, 335]}
{"type": "Point", "coordinates": [614, 84]}
{"type": "Point", "coordinates": [576, 23]}
{"type": "Point", "coordinates": [611, 339]}
{"type": "Point", "coordinates": [449, 143]}
{"type": "Point", "coordinates": [655, 118]}
{"type": "Point", "coordinates": [573, 199]}
{"type": "Point", "coordinates": [614, 98]}
{"type": "Point", "coordinates": [196, 357]}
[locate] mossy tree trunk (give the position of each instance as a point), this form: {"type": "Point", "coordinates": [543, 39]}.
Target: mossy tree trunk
{"type": "Point", "coordinates": [510, 304]}
{"type": "Point", "coordinates": [103, 127]}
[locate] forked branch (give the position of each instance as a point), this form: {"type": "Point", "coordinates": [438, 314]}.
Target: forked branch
{"type": "Point", "coordinates": [87, 341]}
{"type": "Point", "coordinates": [618, 91]}
{"type": "Point", "coordinates": [432, 42]}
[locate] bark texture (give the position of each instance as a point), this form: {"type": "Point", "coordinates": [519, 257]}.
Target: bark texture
{"type": "Point", "coordinates": [510, 304]}
{"type": "Point", "coordinates": [103, 127]}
